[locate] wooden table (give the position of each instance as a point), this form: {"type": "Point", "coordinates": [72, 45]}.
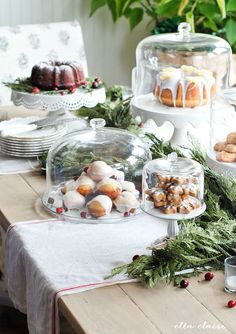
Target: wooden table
{"type": "Point", "coordinates": [128, 308]}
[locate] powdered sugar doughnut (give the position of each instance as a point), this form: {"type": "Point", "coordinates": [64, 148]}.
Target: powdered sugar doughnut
{"type": "Point", "coordinates": [109, 187]}
{"type": "Point", "coordinates": [73, 200]}
{"type": "Point", "coordinates": [98, 170]}
{"type": "Point", "coordinates": [99, 206]}
{"type": "Point", "coordinates": [126, 201]}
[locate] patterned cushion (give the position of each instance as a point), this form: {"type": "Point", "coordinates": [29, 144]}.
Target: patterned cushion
{"type": "Point", "coordinates": [23, 46]}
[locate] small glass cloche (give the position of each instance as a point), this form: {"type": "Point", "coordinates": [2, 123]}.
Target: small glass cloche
{"type": "Point", "coordinates": [96, 174]}
{"type": "Point", "coordinates": [173, 188]}
{"type": "Point", "coordinates": [221, 154]}
{"type": "Point", "coordinates": [182, 69]}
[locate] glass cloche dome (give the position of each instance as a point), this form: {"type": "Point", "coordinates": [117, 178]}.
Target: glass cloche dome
{"type": "Point", "coordinates": [165, 59]}
{"type": "Point", "coordinates": [221, 155]}
{"type": "Point", "coordinates": [173, 188]}
{"type": "Point", "coordinates": [96, 174]}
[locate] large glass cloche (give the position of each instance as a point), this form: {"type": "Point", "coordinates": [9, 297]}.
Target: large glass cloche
{"type": "Point", "coordinates": [95, 175]}
{"type": "Point", "coordinates": [183, 56]}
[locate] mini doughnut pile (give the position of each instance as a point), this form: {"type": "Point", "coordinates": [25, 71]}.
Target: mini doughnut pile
{"type": "Point", "coordinates": [226, 151]}
{"type": "Point", "coordinates": [98, 191]}
{"type": "Point", "coordinates": [174, 194]}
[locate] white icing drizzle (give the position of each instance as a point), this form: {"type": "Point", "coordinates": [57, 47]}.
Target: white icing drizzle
{"type": "Point", "coordinates": [108, 181]}
{"type": "Point", "coordinates": [105, 202]}
{"type": "Point", "coordinates": [85, 180]}
{"type": "Point", "coordinates": [171, 78]}
{"type": "Point", "coordinates": [126, 201]}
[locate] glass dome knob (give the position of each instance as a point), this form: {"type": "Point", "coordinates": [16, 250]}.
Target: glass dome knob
{"type": "Point", "coordinates": [172, 157]}
{"type": "Point", "coordinates": [184, 29]}
{"type": "Point", "coordinates": [97, 123]}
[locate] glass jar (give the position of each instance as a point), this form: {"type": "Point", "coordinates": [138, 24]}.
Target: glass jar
{"type": "Point", "coordinates": [95, 174]}
{"type": "Point", "coordinates": [173, 187]}
{"type": "Point", "coordinates": [200, 63]}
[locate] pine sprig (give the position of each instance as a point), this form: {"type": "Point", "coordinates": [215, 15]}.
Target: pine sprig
{"type": "Point", "coordinates": [195, 248]}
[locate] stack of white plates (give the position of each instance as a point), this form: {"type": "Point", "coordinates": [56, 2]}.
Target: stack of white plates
{"type": "Point", "coordinates": [31, 143]}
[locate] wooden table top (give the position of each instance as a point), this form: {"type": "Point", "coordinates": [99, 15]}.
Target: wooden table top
{"type": "Point", "coordinates": [126, 308]}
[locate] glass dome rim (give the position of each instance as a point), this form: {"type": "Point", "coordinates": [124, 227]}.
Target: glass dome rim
{"type": "Point", "coordinates": [191, 41]}
{"type": "Point", "coordinates": [196, 166]}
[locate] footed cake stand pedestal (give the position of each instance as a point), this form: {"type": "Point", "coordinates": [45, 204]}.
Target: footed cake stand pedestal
{"type": "Point", "coordinates": [173, 228]}
{"type": "Point", "coordinates": [57, 104]}
{"type": "Point", "coordinates": [147, 107]}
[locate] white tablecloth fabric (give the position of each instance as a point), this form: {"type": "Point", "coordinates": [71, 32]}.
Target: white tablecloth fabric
{"type": "Point", "coordinates": [47, 259]}
{"type": "Point", "coordinates": [13, 165]}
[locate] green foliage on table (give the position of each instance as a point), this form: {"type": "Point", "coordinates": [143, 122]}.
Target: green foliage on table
{"type": "Point", "coordinates": [203, 242]}
{"type": "Point", "coordinates": [208, 16]}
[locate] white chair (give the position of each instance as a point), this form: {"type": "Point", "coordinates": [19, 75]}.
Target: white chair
{"type": "Point", "coordinates": [23, 46]}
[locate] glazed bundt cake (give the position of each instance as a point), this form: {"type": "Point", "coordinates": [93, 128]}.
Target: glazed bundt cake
{"type": "Point", "coordinates": [184, 87]}
{"type": "Point", "coordinates": [55, 74]}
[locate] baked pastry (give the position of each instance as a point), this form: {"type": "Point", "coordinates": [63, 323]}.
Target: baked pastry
{"type": "Point", "coordinates": [226, 151]}
{"type": "Point", "coordinates": [55, 74]}
{"type": "Point", "coordinates": [219, 146]}
{"type": "Point", "coordinates": [109, 187]}
{"type": "Point", "coordinates": [126, 201]}
{"type": "Point", "coordinates": [184, 87]}
{"type": "Point", "coordinates": [226, 156]}
{"type": "Point", "coordinates": [169, 209]}
{"type": "Point", "coordinates": [118, 175]}
{"type": "Point", "coordinates": [129, 186]}
{"type": "Point", "coordinates": [73, 200]}
{"type": "Point", "coordinates": [85, 185]}
{"type": "Point", "coordinates": [100, 206]}
{"type": "Point", "coordinates": [99, 170]}
{"type": "Point", "coordinates": [231, 138]}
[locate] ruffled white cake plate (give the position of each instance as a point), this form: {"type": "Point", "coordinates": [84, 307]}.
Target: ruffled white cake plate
{"type": "Point", "coordinates": [147, 107]}
{"type": "Point", "coordinates": [223, 168]}
{"type": "Point", "coordinates": [59, 103]}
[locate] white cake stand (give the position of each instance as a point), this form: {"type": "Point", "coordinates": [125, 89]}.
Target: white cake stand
{"type": "Point", "coordinates": [59, 104]}
{"type": "Point", "coordinates": [172, 219]}
{"type": "Point", "coordinates": [148, 107]}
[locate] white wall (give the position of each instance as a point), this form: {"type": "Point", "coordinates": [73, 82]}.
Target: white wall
{"type": "Point", "coordinates": [110, 48]}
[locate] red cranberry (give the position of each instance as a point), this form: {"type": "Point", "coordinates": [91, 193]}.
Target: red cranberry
{"type": "Point", "coordinates": [208, 276]}
{"type": "Point", "coordinates": [94, 84]}
{"type": "Point", "coordinates": [62, 92]}
{"type": "Point", "coordinates": [184, 283]}
{"type": "Point", "coordinates": [84, 214]}
{"type": "Point", "coordinates": [73, 90]}
{"type": "Point", "coordinates": [75, 178]}
{"type": "Point", "coordinates": [135, 257]}
{"type": "Point", "coordinates": [127, 214]}
{"type": "Point", "coordinates": [231, 303]}
{"type": "Point", "coordinates": [59, 210]}
{"type": "Point", "coordinates": [86, 169]}
{"type": "Point", "coordinates": [36, 90]}
{"type": "Point", "coordinates": [97, 79]}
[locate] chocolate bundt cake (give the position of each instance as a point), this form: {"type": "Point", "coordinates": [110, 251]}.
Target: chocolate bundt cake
{"type": "Point", "coordinates": [55, 74]}
{"type": "Point", "coordinates": [184, 87]}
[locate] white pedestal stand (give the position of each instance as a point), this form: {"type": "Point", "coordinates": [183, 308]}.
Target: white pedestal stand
{"type": "Point", "coordinates": [147, 107]}
{"type": "Point", "coordinates": [172, 219]}
{"type": "Point", "coordinates": [57, 104]}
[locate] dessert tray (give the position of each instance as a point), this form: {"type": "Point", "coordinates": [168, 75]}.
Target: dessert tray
{"type": "Point", "coordinates": [97, 195]}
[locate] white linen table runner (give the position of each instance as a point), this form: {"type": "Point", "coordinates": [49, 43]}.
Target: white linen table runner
{"type": "Point", "coordinates": [45, 260]}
